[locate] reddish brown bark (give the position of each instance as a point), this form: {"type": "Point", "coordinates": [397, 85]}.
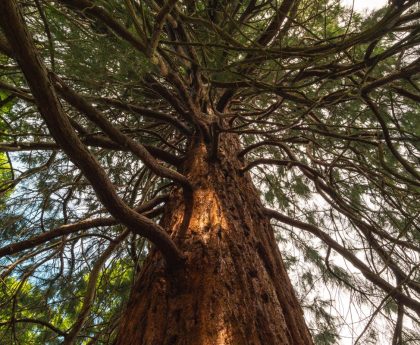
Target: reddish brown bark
{"type": "Point", "coordinates": [233, 289]}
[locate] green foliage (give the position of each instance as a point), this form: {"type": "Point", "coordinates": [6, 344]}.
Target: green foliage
{"type": "Point", "coordinates": [6, 173]}
{"type": "Point", "coordinates": [301, 90]}
{"type": "Point", "coordinates": [27, 300]}
{"type": "Point", "coordinates": [60, 304]}
{"type": "Point", "coordinates": [326, 337]}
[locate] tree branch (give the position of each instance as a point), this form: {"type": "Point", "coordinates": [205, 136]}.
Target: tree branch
{"type": "Point", "coordinates": [60, 128]}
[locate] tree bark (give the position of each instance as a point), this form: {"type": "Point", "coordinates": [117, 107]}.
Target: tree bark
{"type": "Point", "coordinates": [234, 288]}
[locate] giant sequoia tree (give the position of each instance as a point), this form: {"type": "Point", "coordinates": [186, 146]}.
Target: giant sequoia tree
{"type": "Point", "coordinates": [155, 155]}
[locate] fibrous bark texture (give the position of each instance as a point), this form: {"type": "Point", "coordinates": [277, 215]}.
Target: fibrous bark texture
{"type": "Point", "coordinates": [234, 288]}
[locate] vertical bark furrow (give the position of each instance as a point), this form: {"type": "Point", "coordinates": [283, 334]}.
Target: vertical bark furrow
{"type": "Point", "coordinates": [234, 289]}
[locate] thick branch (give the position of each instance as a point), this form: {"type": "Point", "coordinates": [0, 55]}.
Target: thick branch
{"type": "Point", "coordinates": [61, 130]}
{"type": "Point", "coordinates": [72, 228]}
{"type": "Point", "coordinates": [80, 103]}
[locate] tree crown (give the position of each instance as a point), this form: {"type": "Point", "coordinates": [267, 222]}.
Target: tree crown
{"type": "Point", "coordinates": [101, 100]}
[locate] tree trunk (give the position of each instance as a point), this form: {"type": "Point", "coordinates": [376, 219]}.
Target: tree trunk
{"type": "Point", "coordinates": [234, 288]}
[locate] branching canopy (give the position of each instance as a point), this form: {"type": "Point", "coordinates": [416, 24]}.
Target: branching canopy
{"type": "Point", "coordinates": [99, 101]}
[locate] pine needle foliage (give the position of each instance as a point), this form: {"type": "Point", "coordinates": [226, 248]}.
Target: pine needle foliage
{"type": "Point", "coordinates": [325, 101]}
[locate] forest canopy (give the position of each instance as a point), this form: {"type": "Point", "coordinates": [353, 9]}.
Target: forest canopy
{"type": "Point", "coordinates": [101, 102]}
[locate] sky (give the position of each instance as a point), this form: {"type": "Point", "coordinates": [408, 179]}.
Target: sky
{"type": "Point", "coordinates": [362, 5]}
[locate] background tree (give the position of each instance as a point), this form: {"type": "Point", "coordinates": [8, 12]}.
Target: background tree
{"type": "Point", "coordinates": [142, 136]}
